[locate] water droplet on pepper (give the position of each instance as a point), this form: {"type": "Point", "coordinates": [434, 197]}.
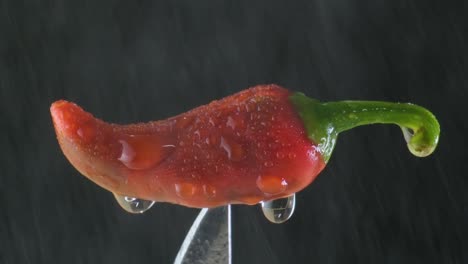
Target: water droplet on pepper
{"type": "Point", "coordinates": [234, 150]}
{"type": "Point", "coordinates": [141, 152]}
{"type": "Point", "coordinates": [87, 132]}
{"type": "Point", "coordinates": [279, 155]}
{"type": "Point", "coordinates": [271, 184]}
{"type": "Point", "coordinates": [209, 191]}
{"type": "Point", "coordinates": [184, 121]}
{"type": "Point", "coordinates": [231, 123]}
{"type": "Point", "coordinates": [185, 189]}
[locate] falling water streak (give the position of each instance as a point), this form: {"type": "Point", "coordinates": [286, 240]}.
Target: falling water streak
{"type": "Point", "coordinates": [280, 210]}
{"type": "Point", "coordinates": [133, 205]}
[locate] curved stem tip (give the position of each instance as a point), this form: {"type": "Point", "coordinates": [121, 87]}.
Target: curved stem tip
{"type": "Point", "coordinates": [324, 121]}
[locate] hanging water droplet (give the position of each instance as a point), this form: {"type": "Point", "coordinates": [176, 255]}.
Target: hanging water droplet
{"type": "Point", "coordinates": [133, 205]}
{"type": "Point", "coordinates": [280, 210]}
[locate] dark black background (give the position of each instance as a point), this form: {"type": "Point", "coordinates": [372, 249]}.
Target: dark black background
{"type": "Point", "coordinates": [129, 61]}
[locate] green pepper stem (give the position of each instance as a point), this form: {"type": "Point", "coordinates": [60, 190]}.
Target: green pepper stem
{"type": "Point", "coordinates": [324, 121]}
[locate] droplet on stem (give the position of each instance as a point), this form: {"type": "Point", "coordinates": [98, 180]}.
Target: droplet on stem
{"type": "Point", "coordinates": [280, 210]}
{"type": "Point", "coordinates": [407, 133]}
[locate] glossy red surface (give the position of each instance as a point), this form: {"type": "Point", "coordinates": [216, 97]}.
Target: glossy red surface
{"type": "Point", "coordinates": [245, 148]}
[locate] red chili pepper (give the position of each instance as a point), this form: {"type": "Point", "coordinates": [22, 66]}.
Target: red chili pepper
{"type": "Point", "coordinates": [260, 144]}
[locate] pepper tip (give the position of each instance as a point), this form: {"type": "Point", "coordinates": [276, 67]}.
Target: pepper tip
{"type": "Point", "coordinates": [68, 117]}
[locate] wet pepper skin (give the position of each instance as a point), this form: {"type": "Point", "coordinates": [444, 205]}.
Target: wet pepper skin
{"type": "Point", "coordinates": [246, 148]}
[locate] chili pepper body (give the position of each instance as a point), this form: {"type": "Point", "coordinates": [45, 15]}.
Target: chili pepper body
{"type": "Point", "coordinates": [246, 148]}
